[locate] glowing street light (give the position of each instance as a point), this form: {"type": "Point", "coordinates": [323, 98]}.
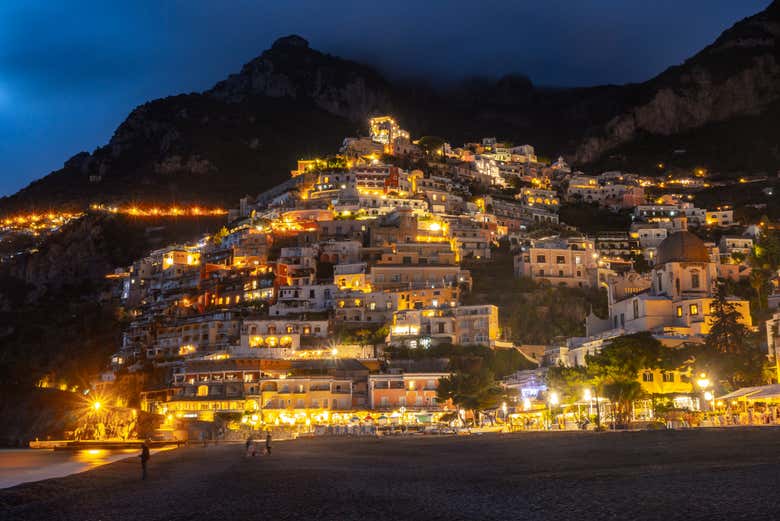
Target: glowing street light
{"type": "Point", "coordinates": [587, 395]}
{"type": "Point", "coordinates": [703, 382]}
{"type": "Point", "coordinates": [96, 405]}
{"type": "Point", "coordinates": [554, 399]}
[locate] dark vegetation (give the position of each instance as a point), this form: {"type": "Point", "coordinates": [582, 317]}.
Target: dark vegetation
{"type": "Point", "coordinates": [57, 313]}
{"type": "Point", "coordinates": [531, 312]}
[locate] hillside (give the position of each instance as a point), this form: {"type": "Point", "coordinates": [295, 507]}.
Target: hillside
{"type": "Point", "coordinates": [244, 135]}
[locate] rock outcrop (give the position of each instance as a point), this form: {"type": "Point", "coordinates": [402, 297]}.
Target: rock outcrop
{"type": "Point", "coordinates": [245, 133]}
{"type": "Point", "coordinates": [738, 75]}
{"type": "Point", "coordinates": [293, 70]}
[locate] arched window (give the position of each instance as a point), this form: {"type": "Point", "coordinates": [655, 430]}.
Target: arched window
{"type": "Point", "coordinates": [695, 280]}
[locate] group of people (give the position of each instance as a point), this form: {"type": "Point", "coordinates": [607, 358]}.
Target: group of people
{"type": "Point", "coordinates": [251, 445]}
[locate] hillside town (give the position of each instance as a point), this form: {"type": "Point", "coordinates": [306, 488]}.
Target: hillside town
{"type": "Point", "coordinates": [335, 299]}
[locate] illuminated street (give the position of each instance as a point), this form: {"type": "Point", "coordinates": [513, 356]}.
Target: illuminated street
{"type": "Point", "coordinates": [697, 474]}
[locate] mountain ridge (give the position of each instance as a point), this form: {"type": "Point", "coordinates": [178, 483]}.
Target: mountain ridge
{"type": "Point", "coordinates": [244, 134]}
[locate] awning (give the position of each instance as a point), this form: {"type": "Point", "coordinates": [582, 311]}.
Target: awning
{"type": "Point", "coordinates": [763, 392]}
{"type": "Point", "coordinates": [767, 392]}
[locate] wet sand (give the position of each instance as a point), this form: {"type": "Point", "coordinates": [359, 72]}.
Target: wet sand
{"type": "Point", "coordinates": [702, 474]}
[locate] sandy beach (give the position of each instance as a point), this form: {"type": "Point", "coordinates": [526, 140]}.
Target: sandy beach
{"type": "Point", "coordinates": [701, 474]}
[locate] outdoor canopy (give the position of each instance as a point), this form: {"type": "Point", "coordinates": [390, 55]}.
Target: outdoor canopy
{"type": "Point", "coordinates": [754, 393]}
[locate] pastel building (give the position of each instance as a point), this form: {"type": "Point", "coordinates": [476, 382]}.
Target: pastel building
{"type": "Point", "coordinates": [412, 391]}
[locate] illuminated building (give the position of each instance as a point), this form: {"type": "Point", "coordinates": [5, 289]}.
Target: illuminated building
{"type": "Point", "coordinates": [412, 391]}
{"type": "Point", "coordinates": [464, 325]}
{"type": "Point", "coordinates": [270, 338]}
{"type": "Point", "coordinates": [680, 299]}
{"type": "Point", "coordinates": [385, 130]}
{"type": "Point", "coordinates": [569, 262]}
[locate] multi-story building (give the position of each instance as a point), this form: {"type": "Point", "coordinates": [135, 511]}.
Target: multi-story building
{"type": "Point", "coordinates": [412, 391]}
{"type": "Point", "coordinates": [568, 262]}
{"type": "Point", "coordinates": [407, 276]}
{"type": "Point", "coordinates": [613, 245]}
{"type": "Point", "coordinates": [385, 130]}
{"type": "Point", "coordinates": [722, 217]}
{"type": "Point", "coordinates": [730, 245]}
{"type": "Point", "coordinates": [273, 338]}
{"type": "Point", "coordinates": [194, 336]}
{"type": "Point", "coordinates": [680, 298]}
{"type": "Point", "coordinates": [464, 325]}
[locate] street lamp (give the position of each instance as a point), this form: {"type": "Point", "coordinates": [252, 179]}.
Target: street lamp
{"type": "Point", "coordinates": [96, 405]}
{"type": "Point", "coordinates": [552, 400]}
{"type": "Point", "coordinates": [587, 396]}
{"type": "Point", "coordinates": [703, 382]}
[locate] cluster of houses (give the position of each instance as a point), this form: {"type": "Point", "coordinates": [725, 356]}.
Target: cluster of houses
{"type": "Point", "coordinates": [285, 316]}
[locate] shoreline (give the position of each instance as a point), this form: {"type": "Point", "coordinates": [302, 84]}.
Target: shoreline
{"type": "Point", "coordinates": [703, 473]}
{"type": "Point", "coordinates": [71, 462]}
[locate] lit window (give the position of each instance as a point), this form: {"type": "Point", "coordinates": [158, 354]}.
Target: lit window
{"type": "Point", "coordinates": [694, 309]}
{"type": "Point", "coordinates": [679, 311]}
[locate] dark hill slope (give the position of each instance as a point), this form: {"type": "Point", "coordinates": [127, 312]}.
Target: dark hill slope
{"type": "Point", "coordinates": [244, 135]}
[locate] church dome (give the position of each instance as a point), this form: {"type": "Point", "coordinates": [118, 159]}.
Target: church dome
{"type": "Point", "coordinates": [682, 247]}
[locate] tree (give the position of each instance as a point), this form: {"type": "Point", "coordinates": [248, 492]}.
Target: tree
{"type": "Point", "coordinates": [622, 393]}
{"type": "Point", "coordinates": [569, 382]}
{"type": "Point", "coordinates": [473, 391]}
{"type": "Point", "coordinates": [727, 332]}
{"type": "Point", "coordinates": [758, 281]}
{"type": "Point", "coordinates": [221, 234]}
{"type": "Point", "coordinates": [430, 144]}
{"type": "Point", "coordinates": [766, 253]}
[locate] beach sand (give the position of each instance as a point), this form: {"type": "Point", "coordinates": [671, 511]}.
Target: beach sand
{"type": "Point", "coordinates": [697, 474]}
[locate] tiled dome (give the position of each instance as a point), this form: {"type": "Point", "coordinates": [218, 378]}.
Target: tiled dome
{"type": "Point", "coordinates": [682, 247]}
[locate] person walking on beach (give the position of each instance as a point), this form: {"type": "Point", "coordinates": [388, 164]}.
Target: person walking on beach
{"type": "Point", "coordinates": [268, 443]}
{"type": "Point", "coordinates": [144, 458]}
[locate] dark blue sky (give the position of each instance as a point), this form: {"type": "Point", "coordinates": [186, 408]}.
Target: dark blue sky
{"type": "Point", "coordinates": [69, 74]}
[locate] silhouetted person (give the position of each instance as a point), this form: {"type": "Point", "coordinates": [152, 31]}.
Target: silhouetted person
{"type": "Point", "coordinates": [144, 458]}
{"type": "Point", "coordinates": [249, 443]}
{"type": "Point", "coordinates": [268, 443]}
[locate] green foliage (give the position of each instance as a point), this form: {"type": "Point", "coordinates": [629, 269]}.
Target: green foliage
{"type": "Point", "coordinates": [471, 390]}
{"type": "Point", "coordinates": [430, 144]}
{"type": "Point", "coordinates": [591, 218]}
{"type": "Point", "coordinates": [530, 312]}
{"type": "Point", "coordinates": [219, 235]}
{"type": "Point", "coordinates": [500, 362]}
{"type": "Point", "coordinates": [622, 393]}
{"type": "Point", "coordinates": [766, 253]}
{"type": "Point", "coordinates": [640, 264]}
{"type": "Point", "coordinates": [727, 333]}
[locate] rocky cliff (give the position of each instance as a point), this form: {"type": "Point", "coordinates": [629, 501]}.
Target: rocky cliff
{"type": "Point", "coordinates": [243, 135]}
{"type": "Point", "coordinates": [738, 75]}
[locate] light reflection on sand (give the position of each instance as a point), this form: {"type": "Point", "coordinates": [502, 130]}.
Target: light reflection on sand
{"type": "Point", "coordinates": [25, 465]}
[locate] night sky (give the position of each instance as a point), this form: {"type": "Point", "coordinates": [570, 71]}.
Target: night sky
{"type": "Point", "coordinates": [70, 74]}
